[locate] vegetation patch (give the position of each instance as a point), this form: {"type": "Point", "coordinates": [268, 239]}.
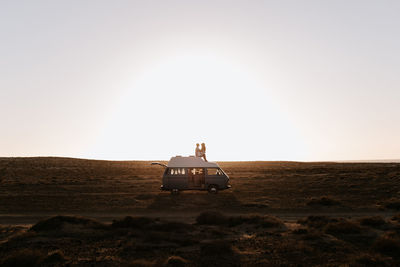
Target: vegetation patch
{"type": "Point", "coordinates": [317, 222]}
{"type": "Point", "coordinates": [371, 260]}
{"type": "Point", "coordinates": [172, 227]}
{"type": "Point", "coordinates": [133, 222]}
{"type": "Point", "coordinates": [218, 253]}
{"type": "Point", "coordinates": [141, 263]}
{"type": "Point", "coordinates": [323, 201]}
{"type": "Point", "coordinates": [57, 223]}
{"type": "Point", "coordinates": [216, 218]}
{"type": "Point", "coordinates": [175, 261]}
{"type": "Point", "coordinates": [212, 218]}
{"type": "Point", "coordinates": [393, 203]}
{"type": "Point", "coordinates": [388, 246]}
{"type": "Point", "coordinates": [373, 221]}
{"type": "Point", "coordinates": [24, 257]}
{"type": "Point", "coordinates": [342, 227]}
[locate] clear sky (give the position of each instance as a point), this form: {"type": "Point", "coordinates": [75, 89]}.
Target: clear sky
{"type": "Point", "coordinates": [254, 80]}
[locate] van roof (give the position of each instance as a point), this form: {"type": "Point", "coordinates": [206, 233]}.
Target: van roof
{"type": "Point", "coordinates": [191, 161]}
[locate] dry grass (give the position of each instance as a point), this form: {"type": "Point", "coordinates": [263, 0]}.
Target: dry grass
{"type": "Point", "coordinates": [250, 238]}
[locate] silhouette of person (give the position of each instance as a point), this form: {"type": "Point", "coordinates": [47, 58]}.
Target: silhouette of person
{"type": "Point", "coordinates": [203, 151]}
{"type": "Point", "coordinates": [198, 151]}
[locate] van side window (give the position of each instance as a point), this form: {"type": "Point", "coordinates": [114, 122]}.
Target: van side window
{"type": "Point", "coordinates": [177, 171]}
{"type": "Point", "coordinates": [213, 171]}
{"type": "Point", "coordinates": [197, 171]}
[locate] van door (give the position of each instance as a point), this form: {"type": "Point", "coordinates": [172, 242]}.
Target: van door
{"type": "Point", "coordinates": [196, 177]}
{"type": "Point", "coordinates": [215, 176]}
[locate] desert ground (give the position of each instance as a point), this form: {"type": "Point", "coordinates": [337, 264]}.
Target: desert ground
{"type": "Point", "coordinates": [77, 212]}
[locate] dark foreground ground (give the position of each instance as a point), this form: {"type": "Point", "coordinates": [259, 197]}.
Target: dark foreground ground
{"type": "Point", "coordinates": [276, 214]}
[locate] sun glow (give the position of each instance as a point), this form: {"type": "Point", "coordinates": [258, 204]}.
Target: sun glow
{"type": "Point", "coordinates": [193, 98]}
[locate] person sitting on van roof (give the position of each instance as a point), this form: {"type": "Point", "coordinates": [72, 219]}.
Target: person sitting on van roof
{"type": "Point", "coordinates": [198, 152]}
{"type": "Point", "coordinates": [203, 151]}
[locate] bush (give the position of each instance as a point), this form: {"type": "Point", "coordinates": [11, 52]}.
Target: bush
{"type": "Point", "coordinates": [300, 231]}
{"type": "Point", "coordinates": [133, 222]}
{"type": "Point", "coordinates": [342, 227]}
{"type": "Point", "coordinates": [216, 218]}
{"type": "Point", "coordinates": [172, 227]}
{"type": "Point", "coordinates": [387, 246]}
{"type": "Point", "coordinates": [316, 221]}
{"type": "Point", "coordinates": [141, 263]}
{"type": "Point", "coordinates": [218, 253]}
{"type": "Point", "coordinates": [24, 257]}
{"type": "Point", "coordinates": [368, 260]}
{"type": "Point", "coordinates": [54, 258]}
{"type": "Point", "coordinates": [396, 217]}
{"type": "Point", "coordinates": [374, 221]}
{"type": "Point", "coordinates": [175, 261]}
{"type": "Point", "coordinates": [212, 218]}
{"type": "Point", "coordinates": [323, 201]}
{"type": "Point", "coordinates": [56, 223]}
{"type": "Point", "coordinates": [393, 204]}
{"type": "Point", "coordinates": [264, 221]}
{"type": "Point", "coordinates": [216, 248]}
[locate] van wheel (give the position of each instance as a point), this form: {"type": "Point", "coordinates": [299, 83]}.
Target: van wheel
{"type": "Point", "coordinates": [213, 189]}
{"type": "Point", "coordinates": [174, 192]}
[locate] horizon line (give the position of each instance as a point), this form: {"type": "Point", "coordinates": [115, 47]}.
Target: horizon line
{"type": "Point", "coordinates": [256, 160]}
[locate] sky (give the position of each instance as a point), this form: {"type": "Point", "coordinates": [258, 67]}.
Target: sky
{"type": "Point", "coordinates": [254, 80]}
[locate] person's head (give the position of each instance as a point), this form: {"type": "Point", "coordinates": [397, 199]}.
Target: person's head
{"type": "Point", "coordinates": [203, 145]}
{"type": "Point", "coordinates": [197, 144]}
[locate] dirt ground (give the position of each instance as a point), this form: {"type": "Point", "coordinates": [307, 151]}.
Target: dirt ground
{"type": "Point", "coordinates": [317, 210]}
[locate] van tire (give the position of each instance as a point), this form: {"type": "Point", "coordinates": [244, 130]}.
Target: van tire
{"type": "Point", "coordinates": [174, 192]}
{"type": "Point", "coordinates": [213, 189]}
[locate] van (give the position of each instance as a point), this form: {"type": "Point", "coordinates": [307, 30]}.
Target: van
{"type": "Point", "coordinates": [193, 173]}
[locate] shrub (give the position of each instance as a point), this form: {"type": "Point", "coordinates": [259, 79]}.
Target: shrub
{"type": "Point", "coordinates": [54, 258]}
{"type": "Point", "coordinates": [393, 204]}
{"type": "Point", "coordinates": [212, 218]}
{"type": "Point", "coordinates": [132, 222]}
{"type": "Point", "coordinates": [300, 231]}
{"type": "Point", "coordinates": [218, 253]}
{"type": "Point", "coordinates": [216, 218]}
{"type": "Point", "coordinates": [373, 221]}
{"type": "Point", "coordinates": [342, 227]}
{"type": "Point", "coordinates": [396, 217]}
{"type": "Point", "coordinates": [370, 260]}
{"type": "Point", "coordinates": [216, 248]}
{"type": "Point", "coordinates": [387, 246]}
{"type": "Point", "coordinates": [172, 227]}
{"type": "Point", "coordinates": [25, 257]}
{"type": "Point", "coordinates": [316, 221]}
{"type": "Point", "coordinates": [175, 261]}
{"type": "Point", "coordinates": [323, 201]}
{"type": "Point", "coordinates": [141, 263]}
{"type": "Point", "coordinates": [56, 223]}
{"type": "Point", "coordinates": [264, 221]}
